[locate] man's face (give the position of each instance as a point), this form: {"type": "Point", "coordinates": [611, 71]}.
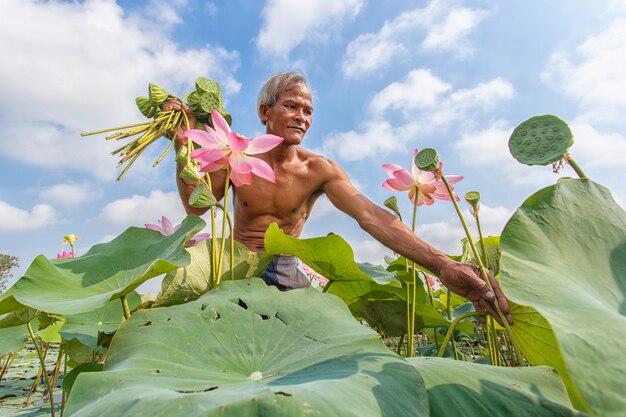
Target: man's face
{"type": "Point", "coordinates": [290, 117]}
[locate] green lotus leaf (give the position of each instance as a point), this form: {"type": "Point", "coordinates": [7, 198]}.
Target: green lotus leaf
{"type": "Point", "coordinates": [540, 140]}
{"type": "Point", "coordinates": [465, 389]}
{"type": "Point", "coordinates": [536, 339]}
{"type": "Point", "coordinates": [247, 349]}
{"type": "Point", "coordinates": [107, 271]}
{"type": "Point", "coordinates": [86, 326]}
{"type": "Point", "coordinates": [564, 254]}
{"type": "Point", "coordinates": [331, 256]}
{"type": "Point", "coordinates": [13, 339]}
{"type": "Point", "coordinates": [190, 282]}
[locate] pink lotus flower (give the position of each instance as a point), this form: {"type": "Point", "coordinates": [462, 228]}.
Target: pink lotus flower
{"type": "Point", "coordinates": [422, 184]}
{"type": "Point", "coordinates": [221, 147]}
{"type": "Point", "coordinates": [166, 228]}
{"type": "Point", "coordinates": [64, 255]}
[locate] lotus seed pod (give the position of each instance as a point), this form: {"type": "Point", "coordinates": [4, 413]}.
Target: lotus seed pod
{"type": "Point", "coordinates": [392, 204]}
{"type": "Point", "coordinates": [143, 104]}
{"type": "Point", "coordinates": [189, 173]}
{"type": "Point", "coordinates": [227, 117]}
{"type": "Point", "coordinates": [205, 85]}
{"type": "Point", "coordinates": [181, 155]}
{"type": "Point", "coordinates": [427, 160]}
{"type": "Point", "coordinates": [193, 99]}
{"type": "Point", "coordinates": [472, 197]}
{"type": "Point", "coordinates": [209, 102]}
{"type": "Point", "coordinates": [540, 140]}
{"type": "Point", "coordinates": [157, 95]}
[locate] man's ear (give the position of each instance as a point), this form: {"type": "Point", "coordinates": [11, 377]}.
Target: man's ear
{"type": "Point", "coordinates": [264, 112]}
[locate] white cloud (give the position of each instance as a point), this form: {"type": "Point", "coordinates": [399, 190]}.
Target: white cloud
{"type": "Point", "coordinates": [165, 12]}
{"type": "Point", "coordinates": [67, 195]}
{"type": "Point", "coordinates": [489, 149]}
{"type": "Point", "coordinates": [442, 235]}
{"type": "Point", "coordinates": [78, 66]}
{"type": "Point", "coordinates": [595, 77]}
{"type": "Point", "coordinates": [426, 102]}
{"type": "Point", "coordinates": [287, 23]}
{"type": "Point", "coordinates": [421, 90]}
{"type": "Point", "coordinates": [492, 219]}
{"type": "Point", "coordinates": [14, 218]}
{"type": "Point", "coordinates": [592, 148]}
{"type": "Point", "coordinates": [446, 28]}
{"type": "Point", "coordinates": [369, 251]}
{"type": "Point", "coordinates": [139, 210]}
{"type": "Point", "coordinates": [375, 138]}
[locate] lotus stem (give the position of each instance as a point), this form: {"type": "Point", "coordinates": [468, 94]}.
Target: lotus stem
{"type": "Point", "coordinates": [7, 364]}
{"type": "Point", "coordinates": [97, 132]}
{"type": "Point", "coordinates": [207, 180]}
{"type": "Point", "coordinates": [575, 166]}
{"type": "Point", "coordinates": [449, 311]}
{"type": "Point", "coordinates": [64, 393]}
{"type": "Point", "coordinates": [125, 307]}
{"type": "Point", "coordinates": [223, 240]}
{"type": "Point", "coordinates": [42, 360]}
{"type": "Point", "coordinates": [483, 272]}
{"type": "Point", "coordinates": [450, 333]}
{"type": "Point", "coordinates": [327, 286]}
{"type": "Point", "coordinates": [160, 158]}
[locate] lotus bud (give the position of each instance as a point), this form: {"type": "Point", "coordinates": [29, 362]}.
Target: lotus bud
{"type": "Point", "coordinates": [427, 160]}
{"type": "Point", "coordinates": [157, 95]}
{"type": "Point", "coordinates": [190, 173]}
{"type": "Point", "coordinates": [540, 140]}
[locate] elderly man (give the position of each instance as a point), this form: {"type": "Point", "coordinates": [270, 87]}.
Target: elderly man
{"type": "Point", "coordinates": [285, 108]}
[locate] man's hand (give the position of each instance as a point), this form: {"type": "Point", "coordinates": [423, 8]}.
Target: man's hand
{"type": "Point", "coordinates": [174, 103]}
{"type": "Point", "coordinates": [465, 280]}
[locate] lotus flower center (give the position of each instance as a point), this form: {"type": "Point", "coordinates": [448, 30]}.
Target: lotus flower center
{"type": "Point", "coordinates": [256, 375]}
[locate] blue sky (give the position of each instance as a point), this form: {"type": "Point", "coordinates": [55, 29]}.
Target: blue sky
{"type": "Point", "coordinates": [387, 77]}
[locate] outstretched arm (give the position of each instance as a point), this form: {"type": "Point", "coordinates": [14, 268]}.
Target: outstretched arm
{"type": "Point", "coordinates": [185, 187]}
{"type": "Point", "coordinates": [463, 279]}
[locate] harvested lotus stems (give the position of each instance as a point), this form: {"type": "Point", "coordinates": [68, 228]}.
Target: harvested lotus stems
{"type": "Point", "coordinates": [205, 98]}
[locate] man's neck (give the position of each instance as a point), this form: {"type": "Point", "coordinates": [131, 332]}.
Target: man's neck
{"type": "Point", "coordinates": [281, 153]}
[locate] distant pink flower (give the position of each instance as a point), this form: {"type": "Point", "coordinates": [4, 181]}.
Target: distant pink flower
{"type": "Point", "coordinates": [314, 275]}
{"type": "Point", "coordinates": [166, 228]}
{"type": "Point", "coordinates": [64, 255]}
{"type": "Point", "coordinates": [221, 147]}
{"type": "Point", "coordinates": [422, 184]}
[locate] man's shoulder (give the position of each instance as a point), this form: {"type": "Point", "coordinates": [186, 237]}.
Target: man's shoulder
{"type": "Point", "coordinates": [315, 161]}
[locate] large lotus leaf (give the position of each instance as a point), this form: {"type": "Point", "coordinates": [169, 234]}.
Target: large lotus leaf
{"type": "Point", "coordinates": [465, 389]}
{"type": "Point", "coordinates": [13, 339]}
{"type": "Point", "coordinates": [247, 349]}
{"type": "Point", "coordinates": [107, 271]}
{"type": "Point", "coordinates": [536, 339]}
{"type": "Point", "coordinates": [331, 256]}
{"type": "Point", "coordinates": [189, 283]}
{"type": "Point", "coordinates": [85, 326]}
{"type": "Point", "coordinates": [384, 306]}
{"type": "Point", "coordinates": [564, 253]}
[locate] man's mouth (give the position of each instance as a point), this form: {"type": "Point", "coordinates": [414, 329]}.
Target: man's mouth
{"type": "Point", "coordinates": [296, 128]}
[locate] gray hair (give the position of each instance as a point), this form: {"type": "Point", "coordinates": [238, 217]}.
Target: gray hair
{"type": "Point", "coordinates": [275, 85]}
